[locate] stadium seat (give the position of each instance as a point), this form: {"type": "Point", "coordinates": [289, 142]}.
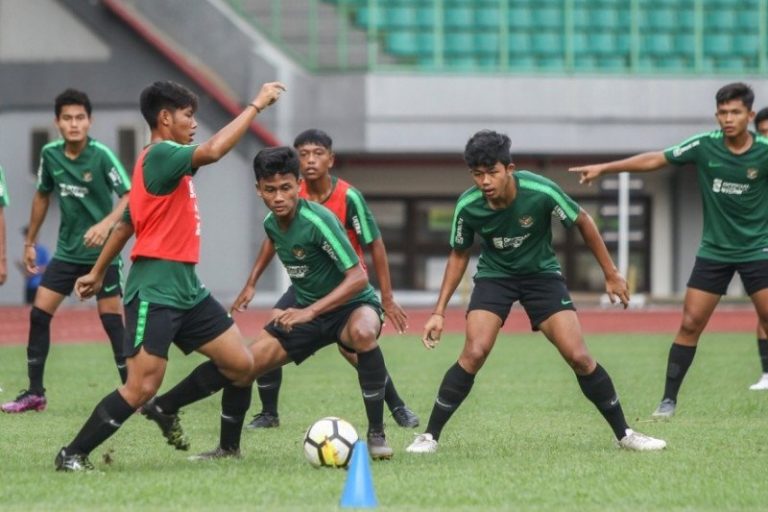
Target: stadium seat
{"type": "Point", "coordinates": [748, 20]}
{"type": "Point", "coordinates": [553, 63]}
{"type": "Point", "coordinates": [487, 18]}
{"type": "Point", "coordinates": [730, 64]}
{"type": "Point", "coordinates": [719, 19]}
{"type": "Point", "coordinates": [425, 43]}
{"type": "Point", "coordinates": [547, 43]}
{"type": "Point", "coordinates": [519, 17]}
{"type": "Point", "coordinates": [613, 63]}
{"type": "Point", "coordinates": [486, 43]}
{"type": "Point", "coordinates": [518, 43]}
{"type": "Point", "coordinates": [686, 19]}
{"type": "Point", "coordinates": [364, 18]}
{"type": "Point", "coordinates": [581, 18]}
{"type": "Point", "coordinates": [400, 17]}
{"type": "Point", "coordinates": [660, 20]}
{"type": "Point", "coordinates": [606, 18]}
{"type": "Point", "coordinates": [717, 45]}
{"type": "Point", "coordinates": [458, 17]}
{"type": "Point", "coordinates": [425, 17]}
{"type": "Point", "coordinates": [547, 18]}
{"type": "Point", "coordinates": [657, 44]}
{"type": "Point", "coordinates": [747, 45]}
{"type": "Point", "coordinates": [521, 62]}
{"type": "Point", "coordinates": [459, 43]}
{"type": "Point", "coordinates": [402, 43]}
{"type": "Point", "coordinates": [602, 43]}
{"type": "Point", "coordinates": [685, 44]}
{"type": "Point", "coordinates": [580, 43]}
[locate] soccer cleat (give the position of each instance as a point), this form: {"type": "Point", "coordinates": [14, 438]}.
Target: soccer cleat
{"type": "Point", "coordinates": [169, 425]}
{"type": "Point", "coordinates": [424, 443]}
{"type": "Point", "coordinates": [264, 420]}
{"type": "Point", "coordinates": [378, 447]}
{"type": "Point", "coordinates": [405, 417]}
{"type": "Point", "coordinates": [26, 401]}
{"type": "Point", "coordinates": [760, 385]}
{"type": "Point", "coordinates": [640, 442]}
{"type": "Point", "coordinates": [665, 410]}
{"type": "Point", "coordinates": [217, 453]}
{"type": "Point", "coordinates": [73, 462]}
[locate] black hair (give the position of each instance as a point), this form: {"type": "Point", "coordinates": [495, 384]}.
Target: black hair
{"type": "Point", "coordinates": [313, 136]}
{"type": "Point", "coordinates": [736, 91]}
{"type": "Point", "coordinates": [271, 161]}
{"type": "Point", "coordinates": [72, 97]}
{"type": "Point", "coordinates": [165, 95]}
{"type": "Point", "coordinates": [486, 148]}
{"type": "Point", "coordinates": [761, 116]}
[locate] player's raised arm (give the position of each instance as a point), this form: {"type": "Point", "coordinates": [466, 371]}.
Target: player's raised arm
{"type": "Point", "coordinates": [225, 139]}
{"type": "Point", "coordinates": [266, 253]}
{"type": "Point", "coordinates": [644, 162]}
{"type": "Point", "coordinates": [457, 263]}
{"type": "Point", "coordinates": [615, 284]}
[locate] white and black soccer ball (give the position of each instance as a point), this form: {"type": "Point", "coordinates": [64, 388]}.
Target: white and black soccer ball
{"type": "Point", "coordinates": [329, 442]}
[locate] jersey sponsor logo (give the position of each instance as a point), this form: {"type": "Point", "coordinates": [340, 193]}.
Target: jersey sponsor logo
{"type": "Point", "coordinates": [114, 177]}
{"type": "Point", "coordinates": [87, 176]}
{"type": "Point", "coordinates": [299, 252]}
{"type": "Point", "coordinates": [729, 188]}
{"type": "Point", "coordinates": [502, 242]}
{"type": "Point", "coordinates": [459, 236]}
{"type": "Point", "coordinates": [558, 213]}
{"type": "Point", "coordinates": [329, 250]}
{"type": "Point", "coordinates": [2, 190]}
{"type": "Point", "coordinates": [356, 225]}
{"type": "Point", "coordinates": [67, 190]}
{"type": "Point", "coordinates": [297, 271]}
{"type": "Point", "coordinates": [752, 173]}
{"type": "Point", "coordinates": [526, 221]}
{"type": "Point", "coordinates": [682, 149]}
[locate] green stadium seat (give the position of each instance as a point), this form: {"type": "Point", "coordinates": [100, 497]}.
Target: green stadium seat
{"type": "Point", "coordinates": [660, 19]}
{"type": "Point", "coordinates": [521, 62]}
{"type": "Point", "coordinates": [461, 63]}
{"type": "Point", "coordinates": [686, 19]}
{"type": "Point", "coordinates": [487, 18]}
{"type": "Point", "coordinates": [400, 17]}
{"type": "Point", "coordinates": [672, 63]}
{"type": "Point", "coordinates": [720, 19]}
{"type": "Point", "coordinates": [731, 64]}
{"type": "Point", "coordinates": [547, 18]}
{"type": "Point", "coordinates": [585, 62]}
{"type": "Point", "coordinates": [519, 43]}
{"type": "Point", "coordinates": [602, 43]}
{"type": "Point", "coordinates": [606, 18]}
{"type": "Point", "coordinates": [425, 17]}
{"type": "Point", "coordinates": [747, 45]}
{"type": "Point", "coordinates": [623, 43]}
{"type": "Point", "coordinates": [717, 44]}
{"type": "Point", "coordinates": [581, 18]}
{"type": "Point", "coordinates": [486, 43]}
{"type": "Point", "coordinates": [612, 63]}
{"type": "Point", "coordinates": [553, 63]}
{"type": "Point", "coordinates": [657, 44]}
{"type": "Point", "coordinates": [364, 18]}
{"type": "Point", "coordinates": [458, 17]}
{"type": "Point", "coordinates": [459, 43]}
{"type": "Point", "coordinates": [580, 43]}
{"type": "Point", "coordinates": [425, 43]}
{"type": "Point", "coordinates": [547, 43]}
{"type": "Point", "coordinates": [748, 20]}
{"type": "Point", "coordinates": [519, 17]}
{"type": "Point", "coordinates": [402, 43]}
{"type": "Point", "coordinates": [685, 44]}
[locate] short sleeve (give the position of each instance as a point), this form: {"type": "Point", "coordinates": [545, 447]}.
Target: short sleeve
{"type": "Point", "coordinates": [5, 200]}
{"type": "Point", "coordinates": [45, 182]}
{"type": "Point", "coordinates": [462, 235]}
{"type": "Point", "coordinates": [684, 153]}
{"type": "Point", "coordinates": [330, 237]}
{"type": "Point", "coordinates": [165, 164]}
{"type": "Point", "coordinates": [360, 218]}
{"type": "Point", "coordinates": [119, 181]}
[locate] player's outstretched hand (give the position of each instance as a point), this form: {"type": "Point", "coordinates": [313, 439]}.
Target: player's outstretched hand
{"type": "Point", "coordinates": [294, 316]}
{"type": "Point", "coordinates": [616, 288]}
{"type": "Point", "coordinates": [269, 93]}
{"type": "Point", "coordinates": [87, 286]}
{"type": "Point", "coordinates": [396, 315]}
{"type": "Point", "coordinates": [242, 300]}
{"type": "Point", "coordinates": [588, 173]}
{"type": "Point", "coordinates": [433, 329]}
{"type": "Point", "coordinates": [96, 235]}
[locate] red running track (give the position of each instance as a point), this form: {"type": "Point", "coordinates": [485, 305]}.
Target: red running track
{"type": "Point", "coordinates": [78, 324]}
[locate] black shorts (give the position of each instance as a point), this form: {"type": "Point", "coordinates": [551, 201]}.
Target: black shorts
{"type": "Point", "coordinates": [60, 277]}
{"type": "Point", "coordinates": [306, 339]}
{"type": "Point", "coordinates": [156, 326]}
{"type": "Point", "coordinates": [715, 276]}
{"type": "Point", "coordinates": [287, 300]}
{"type": "Point", "coordinates": [542, 295]}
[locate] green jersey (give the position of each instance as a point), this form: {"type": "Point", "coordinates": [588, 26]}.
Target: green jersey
{"type": "Point", "coordinates": [315, 252]}
{"type": "Point", "coordinates": [170, 283]}
{"type": "Point", "coordinates": [734, 195]}
{"type": "Point", "coordinates": [5, 200]}
{"type": "Point", "coordinates": [517, 240]}
{"type": "Point", "coordinates": [84, 186]}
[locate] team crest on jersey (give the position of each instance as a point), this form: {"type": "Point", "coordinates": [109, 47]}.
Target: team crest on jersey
{"type": "Point", "coordinates": [752, 173]}
{"type": "Point", "coordinates": [87, 176]}
{"type": "Point", "coordinates": [526, 221]}
{"type": "Point", "coordinates": [299, 252]}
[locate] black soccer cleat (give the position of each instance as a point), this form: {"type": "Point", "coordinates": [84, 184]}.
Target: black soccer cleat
{"type": "Point", "coordinates": [378, 446]}
{"type": "Point", "coordinates": [169, 424]}
{"type": "Point", "coordinates": [217, 453]}
{"type": "Point", "coordinates": [72, 462]}
{"type": "Point", "coordinates": [405, 417]}
{"type": "Point", "coordinates": [264, 420]}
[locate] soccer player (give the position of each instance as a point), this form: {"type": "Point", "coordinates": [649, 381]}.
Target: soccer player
{"type": "Point", "coordinates": [316, 157]}
{"type": "Point", "coordinates": [761, 127]}
{"type": "Point", "coordinates": [165, 302]}
{"type": "Point", "coordinates": [3, 203]}
{"type": "Point", "coordinates": [511, 211]}
{"type": "Point", "coordinates": [83, 173]}
{"type": "Point", "coordinates": [332, 303]}
{"type": "Point", "coordinates": [732, 168]}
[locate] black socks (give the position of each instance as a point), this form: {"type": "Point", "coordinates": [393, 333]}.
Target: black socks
{"type": "Point", "coordinates": [455, 387]}
{"type": "Point", "coordinates": [38, 345]}
{"type": "Point", "coordinates": [598, 388]}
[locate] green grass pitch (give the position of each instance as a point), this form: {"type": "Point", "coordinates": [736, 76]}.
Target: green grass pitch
{"type": "Point", "coordinates": [525, 439]}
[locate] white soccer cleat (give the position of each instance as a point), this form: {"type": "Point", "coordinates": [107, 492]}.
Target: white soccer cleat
{"type": "Point", "coordinates": [760, 385]}
{"type": "Point", "coordinates": [424, 443]}
{"type": "Point", "coordinates": [640, 442]}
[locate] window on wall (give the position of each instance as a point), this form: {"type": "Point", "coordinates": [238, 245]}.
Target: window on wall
{"type": "Point", "coordinates": [39, 138]}
{"type": "Point", "coordinates": [126, 147]}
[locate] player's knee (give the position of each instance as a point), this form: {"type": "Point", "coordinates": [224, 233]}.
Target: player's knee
{"type": "Point", "coordinates": [691, 326]}
{"type": "Point", "coordinates": [581, 362]}
{"type": "Point", "coordinates": [474, 357]}
{"type": "Point", "coordinates": [363, 337]}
